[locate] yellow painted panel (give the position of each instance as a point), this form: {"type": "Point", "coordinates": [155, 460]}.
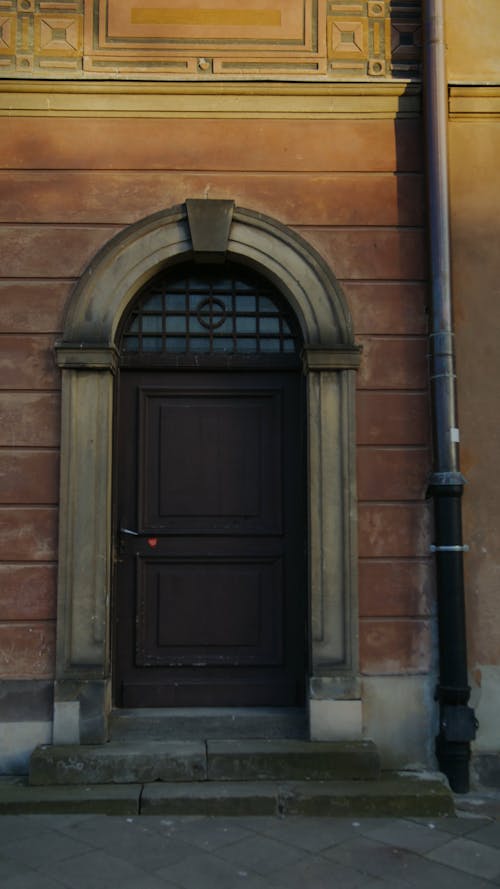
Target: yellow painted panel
{"type": "Point", "coordinates": [473, 40]}
{"type": "Point", "coordinates": [204, 17]}
{"type": "Point", "coordinates": [181, 20]}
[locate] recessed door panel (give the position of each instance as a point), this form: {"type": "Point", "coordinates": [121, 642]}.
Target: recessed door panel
{"type": "Point", "coordinates": [216, 611]}
{"type": "Point", "coordinates": [210, 461]}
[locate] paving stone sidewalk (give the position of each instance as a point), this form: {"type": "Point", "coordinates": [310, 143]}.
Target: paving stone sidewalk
{"type": "Point", "coordinates": [197, 852]}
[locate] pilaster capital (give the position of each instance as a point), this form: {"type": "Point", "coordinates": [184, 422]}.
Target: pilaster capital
{"type": "Point", "coordinates": [335, 358]}
{"type": "Point", "coordinates": [86, 356]}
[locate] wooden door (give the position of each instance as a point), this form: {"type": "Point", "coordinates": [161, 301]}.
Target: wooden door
{"type": "Point", "coordinates": [210, 601]}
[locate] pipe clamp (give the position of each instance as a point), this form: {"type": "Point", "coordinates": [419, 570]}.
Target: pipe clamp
{"type": "Point", "coordinates": [449, 549]}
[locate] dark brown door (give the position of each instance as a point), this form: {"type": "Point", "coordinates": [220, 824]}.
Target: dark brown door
{"type": "Point", "coordinates": [210, 588]}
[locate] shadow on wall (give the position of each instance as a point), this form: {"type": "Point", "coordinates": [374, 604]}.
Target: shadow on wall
{"type": "Point", "coordinates": [406, 38]}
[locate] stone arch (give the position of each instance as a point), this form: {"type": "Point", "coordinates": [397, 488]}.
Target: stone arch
{"type": "Point", "coordinates": [118, 271]}
{"type": "Point", "coordinates": [201, 231]}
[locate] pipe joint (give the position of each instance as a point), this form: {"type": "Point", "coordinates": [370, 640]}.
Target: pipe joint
{"type": "Point", "coordinates": [442, 342]}
{"type": "Point", "coordinates": [446, 484]}
{"type": "Point", "coordinates": [447, 480]}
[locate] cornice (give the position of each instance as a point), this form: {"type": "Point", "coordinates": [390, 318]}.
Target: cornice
{"type": "Point", "coordinates": [361, 99]}
{"type": "Point", "coordinates": [474, 101]}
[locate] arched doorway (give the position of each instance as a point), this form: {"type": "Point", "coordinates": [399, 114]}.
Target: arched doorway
{"type": "Point", "coordinates": [210, 593]}
{"type": "Point", "coordinates": [89, 356]}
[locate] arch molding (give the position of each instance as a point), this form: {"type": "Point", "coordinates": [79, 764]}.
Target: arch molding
{"type": "Point", "coordinates": [87, 356]}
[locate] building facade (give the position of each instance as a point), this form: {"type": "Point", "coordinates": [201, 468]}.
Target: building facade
{"type": "Point", "coordinates": [260, 173]}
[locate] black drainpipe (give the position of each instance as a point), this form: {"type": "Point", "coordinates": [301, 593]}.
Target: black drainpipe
{"type": "Point", "coordinates": [456, 719]}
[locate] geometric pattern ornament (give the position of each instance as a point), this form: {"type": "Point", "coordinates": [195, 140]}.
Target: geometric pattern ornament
{"type": "Point", "coordinates": [319, 40]}
{"type": "Point", "coordinates": [375, 38]}
{"type": "Point", "coordinates": [41, 39]}
{"type": "Point", "coordinates": [209, 311]}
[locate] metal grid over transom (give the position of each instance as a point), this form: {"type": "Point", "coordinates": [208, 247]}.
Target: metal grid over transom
{"type": "Point", "coordinates": [210, 310]}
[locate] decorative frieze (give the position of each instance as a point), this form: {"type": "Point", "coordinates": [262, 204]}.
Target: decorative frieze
{"type": "Point", "coordinates": [374, 39]}
{"type": "Point", "coordinates": [216, 38]}
{"type": "Point", "coordinates": [210, 40]}
{"type": "Point", "coordinates": [41, 38]}
{"type": "Point", "coordinates": [406, 37]}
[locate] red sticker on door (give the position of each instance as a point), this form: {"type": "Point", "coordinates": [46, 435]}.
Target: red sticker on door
{"type": "Point", "coordinates": [152, 541]}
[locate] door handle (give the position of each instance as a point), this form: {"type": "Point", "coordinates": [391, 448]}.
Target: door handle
{"type": "Point", "coordinates": [128, 531]}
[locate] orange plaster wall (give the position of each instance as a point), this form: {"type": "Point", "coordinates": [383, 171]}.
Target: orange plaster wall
{"type": "Point", "coordinates": [354, 189]}
{"type": "Point", "coordinates": [475, 186]}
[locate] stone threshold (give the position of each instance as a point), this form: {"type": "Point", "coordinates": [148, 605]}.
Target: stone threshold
{"type": "Point", "coordinates": [193, 723]}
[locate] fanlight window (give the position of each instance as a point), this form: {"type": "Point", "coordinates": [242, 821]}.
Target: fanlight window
{"type": "Point", "coordinates": [210, 311]}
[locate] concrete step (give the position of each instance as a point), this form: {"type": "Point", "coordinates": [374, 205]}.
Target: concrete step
{"type": "Point", "coordinates": [121, 762]}
{"type": "Point", "coordinates": [181, 723]}
{"type": "Point", "coordinates": [118, 763]}
{"type": "Point", "coordinates": [292, 760]}
{"type": "Point", "coordinates": [392, 795]}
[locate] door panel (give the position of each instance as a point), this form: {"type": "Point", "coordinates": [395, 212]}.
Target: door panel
{"type": "Point", "coordinates": [210, 587]}
{"type": "Point", "coordinates": [209, 459]}
{"type": "Point", "coordinates": [180, 604]}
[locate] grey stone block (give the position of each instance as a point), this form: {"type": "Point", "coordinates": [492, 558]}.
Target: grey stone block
{"type": "Point", "coordinates": [486, 770]}
{"type": "Point", "coordinates": [100, 870]}
{"type": "Point", "coordinates": [90, 697]}
{"type": "Point", "coordinates": [467, 855]}
{"type": "Point", "coordinates": [392, 796]}
{"type": "Point", "coordinates": [208, 872]}
{"type": "Point", "coordinates": [26, 700]}
{"type": "Point", "coordinates": [261, 854]}
{"type": "Point", "coordinates": [291, 760]}
{"type": "Point", "coordinates": [181, 723]}
{"type": "Point", "coordinates": [137, 763]}
{"type": "Point", "coordinates": [17, 799]}
{"type": "Point", "coordinates": [210, 798]}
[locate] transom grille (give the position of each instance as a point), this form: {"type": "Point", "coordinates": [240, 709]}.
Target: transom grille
{"type": "Point", "coordinates": [210, 311]}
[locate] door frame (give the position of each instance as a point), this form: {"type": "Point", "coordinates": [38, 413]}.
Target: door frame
{"type": "Point", "coordinates": [272, 668]}
{"type": "Point", "coordinates": [204, 230]}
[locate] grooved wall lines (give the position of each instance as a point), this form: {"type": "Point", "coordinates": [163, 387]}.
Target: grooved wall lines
{"type": "Point", "coordinates": [354, 190]}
